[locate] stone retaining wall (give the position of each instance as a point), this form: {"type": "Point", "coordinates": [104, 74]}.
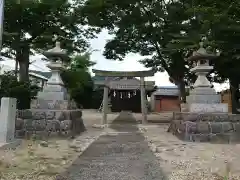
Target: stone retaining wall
{"type": "Point", "coordinates": [214, 127]}
{"type": "Point", "coordinates": [219, 117]}
{"type": "Point", "coordinates": [47, 122]}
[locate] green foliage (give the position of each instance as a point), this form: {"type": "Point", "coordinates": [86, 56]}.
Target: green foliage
{"type": "Point", "coordinates": [219, 22]}
{"type": "Point", "coordinates": [33, 24]}
{"type": "Point", "coordinates": [224, 34]}
{"type": "Point", "coordinates": [22, 91]}
{"type": "Point", "coordinates": [79, 85]}
{"type": "Point", "coordinates": [97, 98]}
{"type": "Point", "coordinates": [167, 32]}
{"type": "Point", "coordinates": [150, 28]}
{"type": "Point", "coordinates": [41, 20]}
{"type": "Point", "coordinates": [78, 80]}
{"type": "Point", "coordinates": [82, 62]}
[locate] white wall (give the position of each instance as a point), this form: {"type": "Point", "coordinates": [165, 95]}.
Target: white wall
{"type": "Point", "coordinates": [37, 64]}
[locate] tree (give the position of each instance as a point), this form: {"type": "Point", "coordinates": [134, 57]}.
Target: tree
{"type": "Point", "coordinates": [32, 25]}
{"type": "Point", "coordinates": [22, 91]}
{"type": "Point", "coordinates": [82, 62]}
{"type": "Point", "coordinates": [78, 80]}
{"type": "Point", "coordinates": [220, 22]}
{"type": "Point", "coordinates": [150, 29]}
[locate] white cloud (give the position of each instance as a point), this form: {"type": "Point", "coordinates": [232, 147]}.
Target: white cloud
{"type": "Point", "coordinates": [37, 64]}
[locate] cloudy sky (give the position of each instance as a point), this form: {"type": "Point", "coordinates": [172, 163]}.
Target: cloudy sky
{"type": "Point", "coordinates": [129, 64]}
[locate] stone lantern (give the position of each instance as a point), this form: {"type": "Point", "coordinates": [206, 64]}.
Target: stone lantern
{"type": "Point", "coordinates": [203, 98]}
{"type": "Point", "coordinates": [53, 104]}
{"type": "Point", "coordinates": [202, 68]}
{"type": "Point", "coordinates": [55, 90]}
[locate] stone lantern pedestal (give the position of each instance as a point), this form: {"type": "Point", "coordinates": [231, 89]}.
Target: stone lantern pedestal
{"type": "Point", "coordinates": [54, 90]}
{"type": "Point", "coordinates": [203, 98]}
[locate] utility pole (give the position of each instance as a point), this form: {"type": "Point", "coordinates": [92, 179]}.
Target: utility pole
{"type": "Point", "coordinates": [1, 21]}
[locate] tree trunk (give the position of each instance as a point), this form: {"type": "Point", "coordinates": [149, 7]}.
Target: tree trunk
{"type": "Point", "coordinates": [233, 90]}
{"type": "Point", "coordinates": [16, 68]}
{"type": "Point", "coordinates": [23, 59]}
{"type": "Point", "coordinates": [182, 91]}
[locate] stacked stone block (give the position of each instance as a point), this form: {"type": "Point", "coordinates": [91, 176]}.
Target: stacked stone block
{"type": "Point", "coordinates": [49, 117]}
{"type": "Point", "coordinates": [207, 127]}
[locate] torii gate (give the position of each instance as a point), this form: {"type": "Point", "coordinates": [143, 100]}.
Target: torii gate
{"type": "Point", "coordinates": [141, 74]}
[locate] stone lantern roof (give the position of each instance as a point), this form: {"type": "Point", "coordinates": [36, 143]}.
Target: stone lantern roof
{"type": "Point", "coordinates": [201, 54]}
{"type": "Point", "coordinates": [57, 53]}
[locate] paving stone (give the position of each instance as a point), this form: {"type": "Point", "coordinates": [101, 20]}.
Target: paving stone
{"type": "Point", "coordinates": [19, 124]}
{"type": "Point", "coordinates": [236, 127]}
{"type": "Point", "coordinates": [227, 127]}
{"type": "Point", "coordinates": [234, 118]}
{"type": "Point", "coordinates": [216, 127]}
{"type": "Point", "coordinates": [200, 137]}
{"type": "Point", "coordinates": [203, 127]}
{"type": "Point", "coordinates": [220, 138]}
{"type": "Point", "coordinates": [191, 117]}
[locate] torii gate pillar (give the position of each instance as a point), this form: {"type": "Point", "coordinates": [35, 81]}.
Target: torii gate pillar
{"type": "Point", "coordinates": [105, 105]}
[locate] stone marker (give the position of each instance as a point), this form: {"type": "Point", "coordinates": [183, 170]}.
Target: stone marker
{"type": "Point", "coordinates": [7, 123]}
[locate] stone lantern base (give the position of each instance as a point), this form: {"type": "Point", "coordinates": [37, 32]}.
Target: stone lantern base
{"type": "Point", "coordinates": [53, 93]}
{"type": "Point", "coordinates": [204, 108]}
{"type": "Point", "coordinates": [205, 100]}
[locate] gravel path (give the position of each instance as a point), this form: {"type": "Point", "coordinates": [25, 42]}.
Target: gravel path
{"type": "Point", "coordinates": [121, 156]}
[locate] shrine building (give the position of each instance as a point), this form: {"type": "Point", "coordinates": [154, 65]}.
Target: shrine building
{"type": "Point", "coordinates": [165, 99]}
{"type": "Point", "coordinates": [124, 92]}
